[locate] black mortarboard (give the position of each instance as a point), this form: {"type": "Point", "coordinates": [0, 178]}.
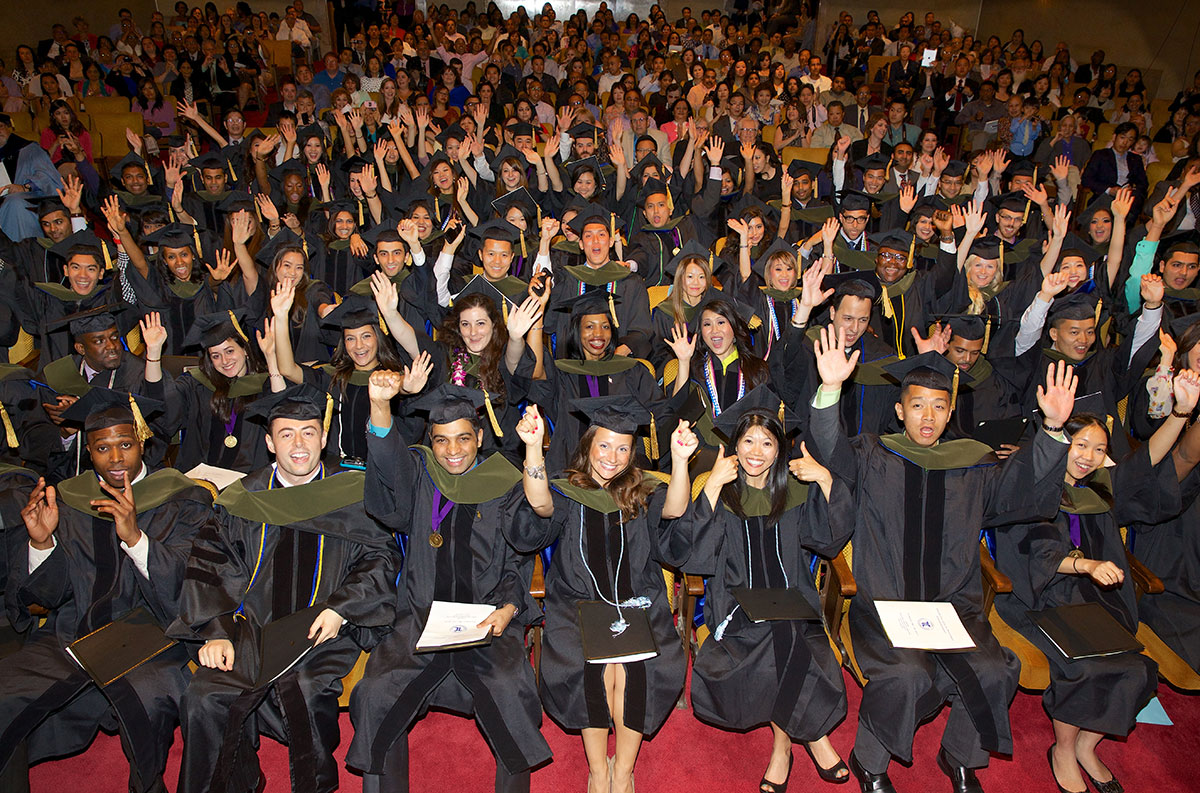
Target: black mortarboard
{"type": "Point", "coordinates": [520, 197]}
{"type": "Point", "coordinates": [761, 400]}
{"type": "Point", "coordinates": [209, 330]}
{"type": "Point", "coordinates": [653, 187]}
{"type": "Point", "coordinates": [1092, 404]}
{"type": "Point", "coordinates": [778, 245]}
{"type": "Point", "coordinates": [300, 402]}
{"type": "Point", "coordinates": [453, 131]}
{"type": "Point", "coordinates": [955, 168]}
{"type": "Point", "coordinates": [691, 248]}
{"type": "Point", "coordinates": [1180, 325]}
{"type": "Point", "coordinates": [873, 162]}
{"type": "Point", "coordinates": [594, 213]}
{"type": "Point", "coordinates": [855, 200]}
{"type": "Point", "coordinates": [930, 361]}
{"type": "Point", "coordinates": [1022, 167]}
{"type": "Point", "coordinates": [503, 153]}
{"type": "Point", "coordinates": [798, 166]}
{"type": "Point", "coordinates": [482, 286]}
{"type": "Point", "coordinates": [294, 165]}
{"type": "Point", "coordinates": [85, 241]}
{"type": "Point", "coordinates": [743, 310]}
{"type": "Point", "coordinates": [1097, 203]}
{"type": "Point", "coordinates": [101, 408]}
{"type": "Point", "coordinates": [520, 128]}
{"type": "Point", "coordinates": [354, 311]}
{"type": "Point", "coordinates": [129, 159]}
{"type": "Point", "coordinates": [815, 215]}
{"type": "Point", "coordinates": [173, 235]}
{"type": "Point", "coordinates": [48, 206]}
{"type": "Point", "coordinates": [836, 280]}
{"type": "Point", "coordinates": [621, 413]}
{"type": "Point", "coordinates": [588, 162]}
{"type": "Point", "coordinates": [595, 301]}
{"type": "Point", "coordinates": [304, 134]}
{"type": "Point", "coordinates": [449, 402]}
{"type": "Point", "coordinates": [94, 320]}
{"type": "Point", "coordinates": [284, 237]}
{"type": "Point", "coordinates": [237, 200]}
{"type": "Point", "coordinates": [1015, 201]}
{"type": "Point", "coordinates": [987, 247]}
{"type": "Point", "coordinates": [354, 164]}
{"type": "Point", "coordinates": [1075, 306]}
{"type": "Point", "coordinates": [584, 130]}
{"type": "Point", "coordinates": [372, 235]}
{"type": "Point", "coordinates": [1074, 245]}
{"type": "Point", "coordinates": [208, 160]}
{"type": "Point", "coordinates": [497, 229]}
{"type": "Point", "coordinates": [649, 161]}
{"type": "Point", "coordinates": [896, 239]}
{"type": "Point", "coordinates": [734, 165]}
{"type": "Point", "coordinates": [967, 326]}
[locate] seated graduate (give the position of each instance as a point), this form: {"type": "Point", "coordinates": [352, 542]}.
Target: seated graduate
{"type": "Point", "coordinates": [691, 284]}
{"type": "Point", "coordinates": [927, 549]}
{"type": "Point", "coordinates": [772, 288]}
{"type": "Point", "coordinates": [450, 502]}
{"type": "Point", "coordinates": [209, 402]}
{"type": "Point", "coordinates": [759, 528]}
{"type": "Point", "coordinates": [1079, 557]}
{"type": "Point", "coordinates": [588, 367]}
{"type": "Point", "coordinates": [99, 546]}
{"type": "Point", "coordinates": [288, 538]}
{"type": "Point", "coordinates": [615, 528]}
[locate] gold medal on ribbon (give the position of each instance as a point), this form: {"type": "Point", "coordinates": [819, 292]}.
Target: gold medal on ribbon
{"type": "Point", "coordinates": [436, 540]}
{"type": "Point", "coordinates": [230, 441]}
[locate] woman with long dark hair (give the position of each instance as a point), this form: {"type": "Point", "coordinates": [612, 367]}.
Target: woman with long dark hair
{"type": "Point", "coordinates": [762, 529]}
{"type": "Point", "coordinates": [691, 285]}
{"type": "Point", "coordinates": [615, 528]}
{"type": "Point", "coordinates": [1079, 557]}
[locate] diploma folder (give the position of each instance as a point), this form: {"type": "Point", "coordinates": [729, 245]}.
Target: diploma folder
{"type": "Point", "coordinates": [107, 654]}
{"type": "Point", "coordinates": [923, 625]}
{"type": "Point", "coordinates": [284, 642]}
{"type": "Point", "coordinates": [452, 626]}
{"type": "Point", "coordinates": [1084, 630]}
{"type": "Point", "coordinates": [763, 604]}
{"type": "Point", "coordinates": [601, 646]}
{"type": "Point", "coordinates": [996, 432]}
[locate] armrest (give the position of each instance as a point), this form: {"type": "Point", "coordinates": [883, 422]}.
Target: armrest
{"type": "Point", "coordinates": [992, 577]}
{"type": "Point", "coordinates": [843, 576]}
{"type": "Point", "coordinates": [1145, 580]}
{"type": "Point", "coordinates": [537, 584]}
{"type": "Point", "coordinates": [694, 585]}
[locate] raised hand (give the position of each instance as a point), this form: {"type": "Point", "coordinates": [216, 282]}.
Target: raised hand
{"type": "Point", "coordinates": [409, 232]}
{"type": "Point", "coordinates": [1061, 221]}
{"type": "Point", "coordinates": [1166, 347]}
{"type": "Point", "coordinates": [134, 140]}
{"type": "Point", "coordinates": [266, 338]}
{"type": "Point", "coordinates": [293, 222]}
{"type": "Point", "coordinates": [264, 147]}
{"type": "Point", "coordinates": [282, 297]}
{"type": "Point", "coordinates": [154, 334]}
{"type": "Point", "coordinates": [188, 110]}
{"type": "Point", "coordinates": [287, 128]}
{"type": "Point", "coordinates": [908, 198]}
{"type": "Point", "coordinates": [716, 150]}
{"type": "Point", "coordinates": [786, 183]}
{"type": "Point", "coordinates": [680, 344]}
{"type": "Point", "coordinates": [531, 429]}
{"type": "Point", "coordinates": [807, 469]}
{"type": "Point", "coordinates": [72, 193]}
{"type": "Point", "coordinates": [551, 147]}
{"type": "Point", "coordinates": [121, 509]}
{"type": "Point", "coordinates": [1002, 162]}
{"type": "Point", "coordinates": [1186, 388]}
{"type": "Point", "coordinates": [1052, 285]}
{"type": "Point", "coordinates": [523, 317]}
{"type": "Point", "coordinates": [1061, 168]}
{"type": "Point", "coordinates": [841, 147]}
{"type": "Point", "coordinates": [724, 471]}
{"type": "Point", "coordinates": [617, 155]}
{"type": "Point", "coordinates": [383, 385]}
{"type": "Point", "coordinates": [829, 232]}
{"type": "Point", "coordinates": [832, 363]}
{"type": "Point", "coordinates": [367, 180]}
{"type": "Point", "coordinates": [1056, 399]}
{"type": "Point", "coordinates": [266, 208]}
{"type": "Point", "coordinates": [1165, 209]}
{"type": "Point", "coordinates": [938, 341]}
{"type": "Point", "coordinates": [240, 226]}
{"type": "Point", "coordinates": [550, 227]}
{"type": "Point", "coordinates": [974, 218]}
{"type": "Point", "coordinates": [225, 263]}
{"type": "Point", "coordinates": [811, 293]}
{"type": "Point", "coordinates": [40, 515]}
{"type": "Point", "coordinates": [747, 151]}
{"type": "Point", "coordinates": [416, 376]}
{"type": "Point", "coordinates": [1122, 202]}
{"type": "Point", "coordinates": [111, 208]}
{"type": "Point", "coordinates": [357, 246]}
{"type": "Point", "coordinates": [423, 115]}
{"type": "Point", "coordinates": [684, 442]}
{"type": "Point", "coordinates": [356, 118]}
{"type": "Point", "coordinates": [462, 188]}
{"type": "Point", "coordinates": [1153, 290]}
{"type": "Point", "coordinates": [740, 227]}
{"type": "Point", "coordinates": [941, 159]}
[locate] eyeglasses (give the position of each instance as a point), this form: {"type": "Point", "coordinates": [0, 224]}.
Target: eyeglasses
{"type": "Point", "coordinates": [893, 257]}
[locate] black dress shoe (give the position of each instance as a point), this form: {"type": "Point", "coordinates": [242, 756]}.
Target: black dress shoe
{"type": "Point", "coordinates": [868, 782]}
{"type": "Point", "coordinates": [962, 779]}
{"type": "Point", "coordinates": [1111, 786]}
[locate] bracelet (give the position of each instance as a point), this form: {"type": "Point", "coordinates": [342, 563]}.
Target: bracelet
{"type": "Point", "coordinates": [368, 197]}
{"type": "Point", "coordinates": [1075, 564]}
{"type": "Point", "coordinates": [1049, 428]}
{"type": "Point", "coordinates": [273, 376]}
{"type": "Point", "coordinates": [1179, 415]}
{"type": "Point", "coordinates": [536, 472]}
{"type": "Point", "coordinates": [153, 360]}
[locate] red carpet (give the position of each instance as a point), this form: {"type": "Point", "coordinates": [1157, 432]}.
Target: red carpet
{"type": "Point", "coordinates": [690, 756]}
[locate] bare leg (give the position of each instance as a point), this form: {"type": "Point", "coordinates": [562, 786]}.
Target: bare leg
{"type": "Point", "coordinates": [595, 746]}
{"type": "Point", "coordinates": [1064, 764]}
{"type": "Point", "coordinates": [628, 741]}
{"type": "Point", "coordinates": [1085, 752]}
{"type": "Point", "coordinates": [825, 755]}
{"type": "Point", "coordinates": [781, 759]}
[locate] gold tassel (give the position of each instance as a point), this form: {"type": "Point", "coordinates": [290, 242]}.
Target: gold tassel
{"type": "Point", "coordinates": [612, 309]}
{"type": "Point", "coordinates": [139, 422]}
{"type": "Point", "coordinates": [1099, 306]}
{"type": "Point", "coordinates": [815, 182]}
{"type": "Point", "coordinates": [596, 137]}
{"type": "Point", "coordinates": [1001, 251]}
{"type": "Point", "coordinates": [328, 412]}
{"type": "Point", "coordinates": [257, 211]}
{"type": "Point", "coordinates": [504, 309]}
{"type": "Point", "coordinates": [670, 203]}
{"type": "Point", "coordinates": [887, 171]}
{"type": "Point", "coordinates": [232, 175]}
{"type": "Point", "coordinates": [653, 439]}
{"type": "Point", "coordinates": [987, 336]}
{"type": "Point", "coordinates": [107, 255]}
{"type": "Point", "coordinates": [304, 246]}
{"type": "Point", "coordinates": [1108, 422]}
{"type": "Point", "coordinates": [781, 411]}
{"type": "Point", "coordinates": [383, 326]}
{"type": "Point", "coordinates": [196, 239]}
{"type": "Point", "coordinates": [10, 434]}
{"type": "Point", "coordinates": [612, 226]}
{"type": "Point", "coordinates": [170, 213]}
{"type": "Point", "coordinates": [954, 388]}
{"type": "Point", "coordinates": [360, 214]}
{"type": "Point", "coordinates": [149, 175]}
{"type": "Point", "coordinates": [241, 333]}
{"type": "Point", "coordinates": [912, 247]}
{"type": "Point", "coordinates": [710, 262]}
{"type": "Point", "coordinates": [539, 215]}
{"type": "Point", "coordinates": [487, 403]}
{"type": "Point", "coordinates": [888, 311]}
{"type": "Point", "coordinates": [524, 250]}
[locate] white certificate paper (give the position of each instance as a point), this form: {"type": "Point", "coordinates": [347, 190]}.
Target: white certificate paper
{"type": "Point", "coordinates": [917, 625]}
{"type": "Point", "coordinates": [452, 625]}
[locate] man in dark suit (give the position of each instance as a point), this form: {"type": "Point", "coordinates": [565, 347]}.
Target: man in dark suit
{"type": "Point", "coordinates": [287, 101]}
{"type": "Point", "coordinates": [1091, 70]}
{"type": "Point", "coordinates": [426, 67]}
{"type": "Point", "coordinates": [1113, 168]}
{"type": "Point", "coordinates": [952, 92]}
{"type": "Point", "coordinates": [899, 73]}
{"type": "Point", "coordinates": [862, 110]}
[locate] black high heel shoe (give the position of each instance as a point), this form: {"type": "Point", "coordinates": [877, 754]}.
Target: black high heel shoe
{"type": "Point", "coordinates": [1111, 786]}
{"type": "Point", "coordinates": [777, 787]}
{"type": "Point", "coordinates": [1054, 776]}
{"type": "Point", "coordinates": [829, 774]}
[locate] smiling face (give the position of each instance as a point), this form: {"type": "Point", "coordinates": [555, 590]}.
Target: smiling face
{"type": "Point", "coordinates": [891, 265]}
{"type": "Point", "coordinates": [496, 257]}
{"type": "Point", "coordinates": [1075, 269]}
{"type": "Point", "coordinates": [924, 412]}
{"type": "Point", "coordinates": [781, 273]}
{"type": "Point", "coordinates": [179, 261]}
{"type": "Point", "coordinates": [1100, 226]}
{"type": "Point", "coordinates": [1089, 447]}
{"type": "Point", "coordinates": [695, 281]}
{"type": "Point", "coordinates": [229, 358]}
{"type": "Point", "coordinates": [511, 175]}
{"type": "Point", "coordinates": [595, 335]}
{"type": "Point", "coordinates": [297, 447]}
{"type": "Point", "coordinates": [343, 225]}
{"type": "Point", "coordinates": [1180, 269]}
{"type": "Point", "coordinates": [1073, 337]}
{"type": "Point", "coordinates": [475, 327]}
{"type": "Point", "coordinates": [116, 453]}
{"type": "Point", "coordinates": [609, 455]}
{"type": "Point", "coordinates": [101, 350]}
{"type": "Point", "coordinates": [851, 317]}
{"type": "Point", "coordinates": [757, 451]}
{"type": "Point", "coordinates": [982, 272]}
{"type": "Point", "coordinates": [717, 333]}
{"type": "Point", "coordinates": [290, 267]}
{"type": "Point", "coordinates": [362, 345]}
{"type": "Point", "coordinates": [215, 179]}
{"type": "Point", "coordinates": [1008, 223]}
{"type": "Point", "coordinates": [455, 445]}
{"type": "Point", "coordinates": [293, 188]}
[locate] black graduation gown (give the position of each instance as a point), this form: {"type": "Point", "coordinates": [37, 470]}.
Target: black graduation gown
{"type": "Point", "coordinates": [348, 427]}
{"type": "Point", "coordinates": [178, 302]}
{"type": "Point", "coordinates": [590, 542]}
{"type": "Point", "coordinates": [868, 397]}
{"type": "Point", "coordinates": [203, 433]}
{"type": "Point", "coordinates": [250, 568]}
{"type": "Point", "coordinates": [306, 335]}
{"type": "Point", "coordinates": [506, 406]}
{"type": "Point", "coordinates": [662, 320]}
{"type": "Point", "coordinates": [36, 263]}
{"type": "Point", "coordinates": [567, 380]}
{"type": "Point", "coordinates": [653, 249]}
{"type": "Point", "coordinates": [339, 269]}
{"type": "Point", "coordinates": [777, 671]}
{"type": "Point", "coordinates": [1099, 694]}
{"type": "Point", "coordinates": [633, 311]}
{"type": "Point", "coordinates": [405, 487]}
{"type": "Point", "coordinates": [202, 206]}
{"type": "Point", "coordinates": [927, 548]}
{"type": "Point", "coordinates": [729, 385]}
{"type": "Point", "coordinates": [418, 299]}
{"type": "Point", "coordinates": [994, 392]}
{"type": "Point", "coordinates": [16, 483]}
{"type": "Point", "coordinates": [912, 298]}
{"type": "Point", "coordinates": [46, 699]}
{"type": "Point", "coordinates": [37, 438]}
{"type": "Point", "coordinates": [40, 305]}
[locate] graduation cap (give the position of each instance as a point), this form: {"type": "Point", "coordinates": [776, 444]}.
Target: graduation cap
{"type": "Point", "coordinates": [798, 166]}
{"type": "Point", "coordinates": [177, 235]}
{"type": "Point", "coordinates": [743, 310]}
{"type": "Point", "coordinates": [651, 160]}
{"type": "Point", "coordinates": [520, 128]}
{"type": "Point", "coordinates": [497, 229]}
{"type": "Point", "coordinates": [734, 165]}
{"type": "Point", "coordinates": [354, 164]}
{"type": "Point", "coordinates": [594, 301]}
{"type": "Point", "coordinates": [585, 130]}
{"type": "Point", "coordinates": [355, 311]}
{"type": "Point", "coordinates": [310, 131]}
{"type": "Point", "coordinates": [855, 200]}
{"type": "Point", "coordinates": [299, 402]}
{"type": "Point", "coordinates": [778, 246]}
{"type": "Point", "coordinates": [372, 236]}
{"type": "Point", "coordinates": [237, 201]}
{"type": "Point", "coordinates": [588, 162]}
{"type": "Point", "coordinates": [1013, 202]}
{"type": "Point", "coordinates": [292, 166]}
{"type": "Point", "coordinates": [593, 213]}
{"type": "Point", "coordinates": [48, 206]}
{"type": "Point", "coordinates": [1097, 203]}
{"type": "Point", "coordinates": [1074, 245]}
{"type": "Point", "coordinates": [1077, 306]}
{"type": "Point", "coordinates": [836, 281]}
{"type": "Point", "coordinates": [935, 363]}
{"type": "Point", "coordinates": [101, 408]}
{"type": "Point", "coordinates": [449, 402]}
{"type": "Point", "coordinates": [761, 400]}
{"type": "Point", "coordinates": [482, 286]}
{"type": "Point", "coordinates": [208, 160]}
{"type": "Point", "coordinates": [815, 215]}
{"type": "Point", "coordinates": [1023, 167]}
{"type": "Point", "coordinates": [1182, 325]}
{"type": "Point", "coordinates": [655, 187]}
{"type": "Point", "coordinates": [620, 413]}
{"type": "Point", "coordinates": [284, 237]}
{"type": "Point", "coordinates": [970, 327]}
{"type": "Point", "coordinates": [1093, 405]}
{"type": "Point", "coordinates": [988, 247]}
{"type": "Point", "coordinates": [94, 320]}
{"type": "Point", "coordinates": [520, 198]}
{"type": "Point", "coordinates": [505, 152]}
{"type": "Point", "coordinates": [690, 249]}
{"type": "Point", "coordinates": [132, 159]}
{"type": "Point", "coordinates": [873, 162]}
{"type": "Point", "coordinates": [955, 169]}
{"type": "Point", "coordinates": [85, 242]}
{"type": "Point", "coordinates": [209, 330]}
{"type": "Point", "coordinates": [454, 131]}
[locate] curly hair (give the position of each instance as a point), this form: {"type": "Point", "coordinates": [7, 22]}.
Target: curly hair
{"type": "Point", "coordinates": [492, 356]}
{"type": "Point", "coordinates": [629, 489]}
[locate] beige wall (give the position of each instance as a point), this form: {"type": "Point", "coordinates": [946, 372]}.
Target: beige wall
{"type": "Point", "coordinates": [1130, 33]}
{"type": "Point", "coordinates": [23, 22]}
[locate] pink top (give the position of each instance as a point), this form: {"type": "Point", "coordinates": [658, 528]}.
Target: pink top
{"type": "Point", "coordinates": [49, 142]}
